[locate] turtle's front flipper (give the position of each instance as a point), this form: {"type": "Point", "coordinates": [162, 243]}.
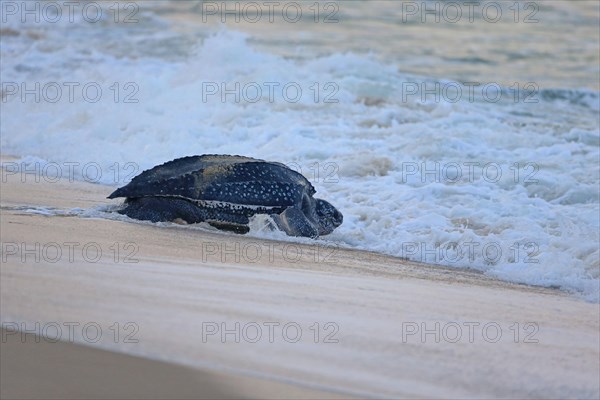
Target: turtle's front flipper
{"type": "Point", "coordinates": [295, 223]}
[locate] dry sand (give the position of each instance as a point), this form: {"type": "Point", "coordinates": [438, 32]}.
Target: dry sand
{"type": "Point", "coordinates": [347, 324]}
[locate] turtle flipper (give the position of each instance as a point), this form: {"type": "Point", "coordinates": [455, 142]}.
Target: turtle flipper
{"type": "Point", "coordinates": [237, 223]}
{"type": "Point", "coordinates": [230, 227]}
{"type": "Point", "coordinates": [295, 223]}
{"type": "Point", "coordinates": [157, 209]}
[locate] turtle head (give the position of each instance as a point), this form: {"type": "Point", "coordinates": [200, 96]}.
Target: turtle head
{"type": "Point", "coordinates": [329, 217]}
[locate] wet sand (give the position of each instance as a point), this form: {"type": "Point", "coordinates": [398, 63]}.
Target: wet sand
{"type": "Point", "coordinates": [180, 312]}
{"type": "Point", "coordinates": [37, 368]}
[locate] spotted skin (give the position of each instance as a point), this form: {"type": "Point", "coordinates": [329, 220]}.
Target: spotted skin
{"type": "Point", "coordinates": [226, 191]}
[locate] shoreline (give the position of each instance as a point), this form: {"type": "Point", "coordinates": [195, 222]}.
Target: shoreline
{"type": "Point", "coordinates": [363, 317]}
{"type": "Point", "coordinates": [90, 195]}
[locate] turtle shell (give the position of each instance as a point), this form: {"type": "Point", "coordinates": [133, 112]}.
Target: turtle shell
{"type": "Point", "coordinates": [236, 180]}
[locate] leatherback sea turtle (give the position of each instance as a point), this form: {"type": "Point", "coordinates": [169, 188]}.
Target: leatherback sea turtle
{"type": "Point", "coordinates": [225, 191]}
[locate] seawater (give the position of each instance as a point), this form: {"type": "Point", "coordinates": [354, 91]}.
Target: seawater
{"type": "Point", "coordinates": [469, 143]}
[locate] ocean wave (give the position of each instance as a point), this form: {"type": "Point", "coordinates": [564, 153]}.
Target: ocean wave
{"type": "Point", "coordinates": [508, 188]}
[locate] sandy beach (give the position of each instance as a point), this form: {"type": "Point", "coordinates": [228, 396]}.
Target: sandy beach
{"type": "Point", "coordinates": [182, 312]}
{"type": "Point", "coordinates": [459, 140]}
